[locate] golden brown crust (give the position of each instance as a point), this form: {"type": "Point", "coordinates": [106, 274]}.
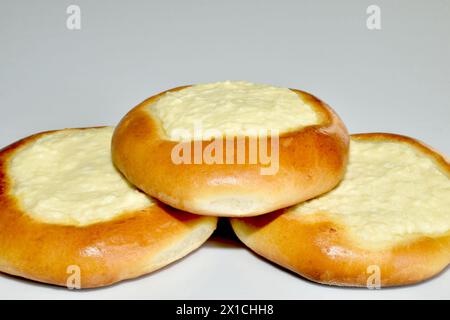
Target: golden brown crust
{"type": "Point", "coordinates": [320, 248]}
{"type": "Point", "coordinates": [311, 161]}
{"type": "Point", "coordinates": [107, 252]}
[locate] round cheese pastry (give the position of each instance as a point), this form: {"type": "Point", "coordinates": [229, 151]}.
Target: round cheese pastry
{"type": "Point", "coordinates": [386, 224]}
{"type": "Point", "coordinates": [68, 217]}
{"type": "Point", "coordinates": [231, 148]}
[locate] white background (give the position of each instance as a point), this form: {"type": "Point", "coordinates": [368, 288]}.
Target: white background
{"type": "Point", "coordinates": [396, 79]}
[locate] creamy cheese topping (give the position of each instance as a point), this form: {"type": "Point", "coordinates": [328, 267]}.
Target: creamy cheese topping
{"type": "Point", "coordinates": [232, 108]}
{"type": "Point", "coordinates": [391, 191]}
{"type": "Point", "coordinates": [68, 178]}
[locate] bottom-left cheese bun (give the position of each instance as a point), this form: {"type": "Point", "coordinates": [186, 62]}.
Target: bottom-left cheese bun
{"type": "Point", "coordinates": [69, 218]}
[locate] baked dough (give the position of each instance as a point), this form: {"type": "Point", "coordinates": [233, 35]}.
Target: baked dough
{"type": "Point", "coordinates": [63, 205]}
{"type": "Point", "coordinates": [390, 213]}
{"type": "Point", "coordinates": [311, 150]}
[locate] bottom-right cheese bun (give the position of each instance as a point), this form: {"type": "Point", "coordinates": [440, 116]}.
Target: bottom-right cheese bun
{"type": "Point", "coordinates": [386, 224]}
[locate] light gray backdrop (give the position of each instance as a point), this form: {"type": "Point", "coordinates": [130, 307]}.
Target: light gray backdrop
{"type": "Point", "coordinates": [396, 79]}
